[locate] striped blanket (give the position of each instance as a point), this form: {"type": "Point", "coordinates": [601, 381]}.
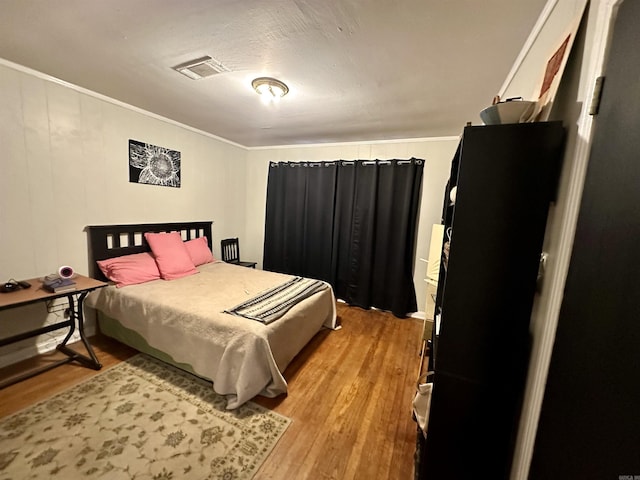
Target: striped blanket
{"type": "Point", "coordinates": [272, 304]}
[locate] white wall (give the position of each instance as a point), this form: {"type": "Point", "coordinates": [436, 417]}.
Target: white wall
{"type": "Point", "coordinates": [64, 165]}
{"type": "Point", "coordinates": [437, 154]}
{"type": "Point", "coordinates": [558, 19]}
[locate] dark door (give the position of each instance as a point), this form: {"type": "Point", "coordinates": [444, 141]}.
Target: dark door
{"type": "Point", "coordinates": [590, 420]}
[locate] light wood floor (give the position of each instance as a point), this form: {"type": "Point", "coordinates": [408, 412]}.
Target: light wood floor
{"type": "Point", "coordinates": [350, 393]}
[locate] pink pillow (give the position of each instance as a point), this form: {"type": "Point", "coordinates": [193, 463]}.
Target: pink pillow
{"type": "Point", "coordinates": [130, 269]}
{"type": "Point", "coordinates": [171, 255]}
{"type": "Point", "coordinates": [199, 252]}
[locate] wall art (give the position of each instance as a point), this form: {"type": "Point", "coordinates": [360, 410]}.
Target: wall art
{"type": "Point", "coordinates": [153, 165]}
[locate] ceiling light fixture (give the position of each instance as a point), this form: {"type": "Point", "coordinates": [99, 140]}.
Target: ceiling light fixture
{"type": "Point", "coordinates": [269, 89]}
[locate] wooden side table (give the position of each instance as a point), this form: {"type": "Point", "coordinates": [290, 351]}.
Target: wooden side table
{"type": "Point", "coordinates": [75, 299]}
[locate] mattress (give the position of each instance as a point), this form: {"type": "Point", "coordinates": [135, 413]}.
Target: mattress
{"type": "Point", "coordinates": [185, 319]}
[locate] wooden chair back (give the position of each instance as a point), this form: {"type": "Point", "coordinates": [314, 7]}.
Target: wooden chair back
{"type": "Point", "coordinates": [230, 249]}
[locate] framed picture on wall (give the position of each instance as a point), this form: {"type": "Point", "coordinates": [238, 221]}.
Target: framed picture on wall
{"type": "Point", "coordinates": [555, 63]}
{"type": "Point", "coordinates": [552, 76]}
{"type": "Point", "coordinates": [538, 70]}
{"type": "Point", "coordinates": [153, 165]}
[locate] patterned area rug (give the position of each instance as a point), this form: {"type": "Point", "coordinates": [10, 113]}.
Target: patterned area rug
{"type": "Point", "coordinates": [141, 419]}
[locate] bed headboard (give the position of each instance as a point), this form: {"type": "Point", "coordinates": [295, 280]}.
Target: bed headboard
{"type": "Point", "coordinates": [108, 241]}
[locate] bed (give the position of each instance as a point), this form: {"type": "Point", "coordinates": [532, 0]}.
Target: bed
{"type": "Point", "coordinates": [205, 321]}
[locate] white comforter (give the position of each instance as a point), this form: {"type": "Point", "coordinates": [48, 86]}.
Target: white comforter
{"type": "Point", "coordinates": [184, 319]}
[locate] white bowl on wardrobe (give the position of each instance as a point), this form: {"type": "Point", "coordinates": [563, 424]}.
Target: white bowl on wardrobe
{"type": "Point", "coordinates": [511, 111]}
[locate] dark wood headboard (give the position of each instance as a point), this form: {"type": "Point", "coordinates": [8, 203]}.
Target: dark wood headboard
{"type": "Point", "coordinates": [108, 241]}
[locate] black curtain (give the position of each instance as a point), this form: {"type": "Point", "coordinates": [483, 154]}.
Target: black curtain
{"type": "Point", "coordinates": [350, 223]}
{"type": "Point", "coordinates": [299, 225]}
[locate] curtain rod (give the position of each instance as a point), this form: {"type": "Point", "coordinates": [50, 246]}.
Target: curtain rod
{"type": "Point", "coordinates": [329, 163]}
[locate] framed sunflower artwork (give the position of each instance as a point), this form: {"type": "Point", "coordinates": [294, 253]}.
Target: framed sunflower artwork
{"type": "Point", "coordinates": [153, 165]}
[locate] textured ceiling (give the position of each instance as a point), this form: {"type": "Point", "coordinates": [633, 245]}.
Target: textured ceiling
{"type": "Point", "coordinates": [358, 70]}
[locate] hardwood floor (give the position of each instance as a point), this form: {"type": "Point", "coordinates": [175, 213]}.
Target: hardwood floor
{"type": "Point", "coordinates": [32, 390]}
{"type": "Point", "coordinates": [350, 394]}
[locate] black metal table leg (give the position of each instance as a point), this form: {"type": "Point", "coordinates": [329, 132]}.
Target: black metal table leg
{"type": "Point", "coordinates": [77, 314]}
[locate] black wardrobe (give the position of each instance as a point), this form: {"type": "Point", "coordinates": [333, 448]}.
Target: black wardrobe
{"type": "Point", "coordinates": [505, 178]}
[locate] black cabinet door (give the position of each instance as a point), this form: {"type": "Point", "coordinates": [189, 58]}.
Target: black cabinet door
{"type": "Point", "coordinates": [506, 178]}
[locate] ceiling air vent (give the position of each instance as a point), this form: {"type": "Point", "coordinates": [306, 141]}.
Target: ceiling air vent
{"type": "Point", "coordinates": [201, 68]}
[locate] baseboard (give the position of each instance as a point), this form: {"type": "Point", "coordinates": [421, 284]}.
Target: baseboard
{"type": "Point", "coordinates": [420, 315]}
